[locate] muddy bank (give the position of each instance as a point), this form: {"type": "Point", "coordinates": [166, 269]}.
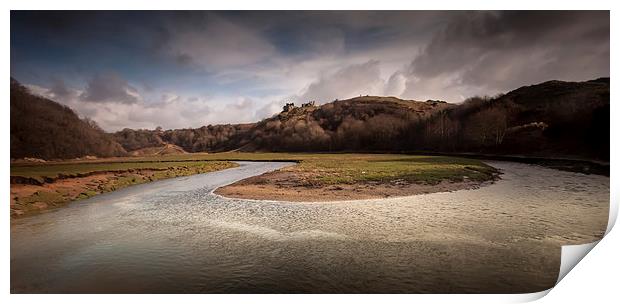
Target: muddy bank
{"type": "Point", "coordinates": [34, 195]}
{"type": "Point", "coordinates": [42, 180]}
{"type": "Point", "coordinates": [295, 187]}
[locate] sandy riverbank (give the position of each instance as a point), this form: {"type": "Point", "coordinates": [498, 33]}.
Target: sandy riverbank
{"type": "Point", "coordinates": [294, 186]}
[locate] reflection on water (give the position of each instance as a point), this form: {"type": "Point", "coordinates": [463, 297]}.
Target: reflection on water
{"type": "Point", "coordinates": [175, 236]}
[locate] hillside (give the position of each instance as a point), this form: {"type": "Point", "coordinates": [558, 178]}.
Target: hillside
{"type": "Point", "coordinates": [358, 124]}
{"type": "Point", "coordinates": [362, 123]}
{"type": "Point", "coordinates": [577, 115]}
{"type": "Point", "coordinates": [551, 119]}
{"type": "Point", "coordinates": [44, 129]}
{"type": "Point", "coordinates": [207, 138]}
{"type": "Point", "coordinates": [165, 149]}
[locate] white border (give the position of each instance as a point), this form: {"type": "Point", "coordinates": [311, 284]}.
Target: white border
{"type": "Point", "coordinates": [595, 278]}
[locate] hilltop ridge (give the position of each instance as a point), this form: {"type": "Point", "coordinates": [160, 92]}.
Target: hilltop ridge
{"type": "Point", "coordinates": [550, 119]}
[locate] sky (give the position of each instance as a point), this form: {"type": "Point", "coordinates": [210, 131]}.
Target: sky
{"type": "Point", "coordinates": [179, 69]}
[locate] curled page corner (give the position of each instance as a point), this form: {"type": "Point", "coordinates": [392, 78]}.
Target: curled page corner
{"type": "Point", "coordinates": [571, 255]}
{"type": "Point", "coordinates": [529, 297]}
{"type": "Point", "coordinates": [613, 214]}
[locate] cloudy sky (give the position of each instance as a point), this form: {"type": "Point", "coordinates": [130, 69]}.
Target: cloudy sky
{"type": "Point", "coordinates": [189, 69]}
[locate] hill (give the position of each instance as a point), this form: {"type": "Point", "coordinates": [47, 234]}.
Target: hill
{"type": "Point", "coordinates": [165, 149]}
{"type": "Point", "coordinates": [362, 123]}
{"type": "Point", "coordinates": [551, 119]}
{"type": "Point", "coordinates": [204, 139]}
{"type": "Point", "coordinates": [44, 129]}
{"type": "Point", "coordinates": [368, 123]}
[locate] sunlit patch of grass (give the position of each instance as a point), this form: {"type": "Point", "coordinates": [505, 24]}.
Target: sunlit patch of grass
{"type": "Point", "coordinates": [78, 169]}
{"type": "Point", "coordinates": [387, 168]}
{"type": "Point", "coordinates": [314, 169]}
{"type": "Point", "coordinates": [321, 168]}
{"type": "Point", "coordinates": [42, 196]}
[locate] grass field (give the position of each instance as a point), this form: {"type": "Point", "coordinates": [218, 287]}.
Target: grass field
{"type": "Point", "coordinates": [41, 185]}
{"type": "Point", "coordinates": [327, 168]}
{"type": "Point", "coordinates": [68, 170]}
{"type": "Point", "coordinates": [351, 168]}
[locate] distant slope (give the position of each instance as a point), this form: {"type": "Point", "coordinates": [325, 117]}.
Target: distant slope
{"type": "Point", "coordinates": [42, 128]}
{"type": "Point", "coordinates": [551, 119]}
{"type": "Point", "coordinates": [577, 116]}
{"type": "Point", "coordinates": [361, 123]}
{"type": "Point", "coordinates": [367, 123]}
{"type": "Point", "coordinates": [166, 149]}
{"type": "Point", "coordinates": [207, 138]}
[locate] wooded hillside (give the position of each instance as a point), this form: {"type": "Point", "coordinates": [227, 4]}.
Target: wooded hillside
{"type": "Point", "coordinates": [42, 128]}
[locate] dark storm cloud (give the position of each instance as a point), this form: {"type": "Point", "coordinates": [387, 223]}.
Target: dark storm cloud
{"type": "Point", "coordinates": [229, 58]}
{"type": "Point", "coordinates": [503, 50]}
{"type": "Point", "coordinates": [353, 80]}
{"type": "Point", "coordinates": [109, 87]}
{"type": "Point", "coordinates": [307, 32]}
{"type": "Point", "coordinates": [59, 89]}
{"type": "Point", "coordinates": [230, 39]}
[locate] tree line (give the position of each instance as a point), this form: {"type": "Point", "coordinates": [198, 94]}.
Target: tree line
{"type": "Point", "coordinates": [555, 118]}
{"type": "Point", "coordinates": [550, 119]}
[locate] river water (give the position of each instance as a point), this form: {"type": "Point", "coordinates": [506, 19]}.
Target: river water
{"type": "Point", "coordinates": [175, 236]}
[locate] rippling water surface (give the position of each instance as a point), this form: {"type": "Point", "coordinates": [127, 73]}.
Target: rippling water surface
{"type": "Point", "coordinates": [175, 236]}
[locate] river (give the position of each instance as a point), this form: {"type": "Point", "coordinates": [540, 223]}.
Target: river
{"type": "Point", "coordinates": [175, 236]}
